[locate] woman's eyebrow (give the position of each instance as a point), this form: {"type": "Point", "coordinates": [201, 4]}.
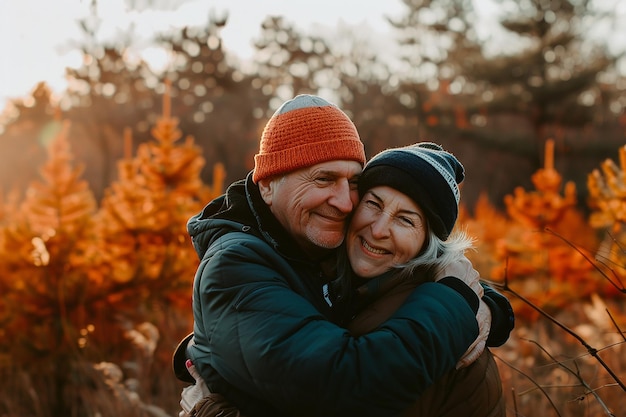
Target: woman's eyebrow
{"type": "Point", "coordinates": [403, 211]}
{"type": "Point", "coordinates": [376, 196]}
{"type": "Point", "coordinates": [415, 213]}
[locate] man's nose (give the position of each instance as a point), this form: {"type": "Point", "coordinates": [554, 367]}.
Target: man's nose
{"type": "Point", "coordinates": [344, 197]}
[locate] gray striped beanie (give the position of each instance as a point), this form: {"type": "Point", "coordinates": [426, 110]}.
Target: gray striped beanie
{"type": "Point", "coordinates": [427, 174]}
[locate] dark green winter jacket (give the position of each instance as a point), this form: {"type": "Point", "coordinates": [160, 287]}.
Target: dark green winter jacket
{"type": "Point", "coordinates": [263, 323]}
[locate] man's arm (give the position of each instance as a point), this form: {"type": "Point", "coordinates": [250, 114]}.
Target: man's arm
{"type": "Point", "coordinates": [502, 316]}
{"type": "Point", "coordinates": [499, 320]}
{"type": "Point", "coordinates": [271, 343]}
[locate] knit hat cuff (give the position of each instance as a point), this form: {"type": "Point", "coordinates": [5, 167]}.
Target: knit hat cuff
{"type": "Point", "coordinates": [309, 154]}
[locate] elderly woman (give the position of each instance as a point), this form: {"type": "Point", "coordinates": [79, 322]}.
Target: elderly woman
{"type": "Point", "coordinates": [400, 236]}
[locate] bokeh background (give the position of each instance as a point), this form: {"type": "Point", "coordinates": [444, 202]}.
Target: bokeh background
{"type": "Point", "coordinates": [122, 118]}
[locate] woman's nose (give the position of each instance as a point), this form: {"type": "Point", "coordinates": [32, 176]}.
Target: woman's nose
{"type": "Point", "coordinates": [380, 226]}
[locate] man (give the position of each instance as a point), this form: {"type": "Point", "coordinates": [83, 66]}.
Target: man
{"type": "Point", "coordinates": [263, 300]}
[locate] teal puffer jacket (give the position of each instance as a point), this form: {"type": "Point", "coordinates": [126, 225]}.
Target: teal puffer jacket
{"type": "Point", "coordinates": [262, 331]}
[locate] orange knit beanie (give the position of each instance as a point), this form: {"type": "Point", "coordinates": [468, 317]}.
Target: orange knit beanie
{"type": "Point", "coordinates": [305, 131]}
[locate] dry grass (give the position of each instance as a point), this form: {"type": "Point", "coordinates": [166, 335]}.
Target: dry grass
{"type": "Point", "coordinates": [545, 371]}
{"type": "Point", "coordinates": [572, 364]}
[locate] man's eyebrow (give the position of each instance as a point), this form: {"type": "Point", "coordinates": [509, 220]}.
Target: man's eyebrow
{"type": "Point", "coordinates": [334, 174]}
{"type": "Point", "coordinates": [327, 172]}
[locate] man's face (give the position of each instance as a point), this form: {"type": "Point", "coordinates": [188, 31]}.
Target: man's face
{"type": "Point", "coordinates": [313, 203]}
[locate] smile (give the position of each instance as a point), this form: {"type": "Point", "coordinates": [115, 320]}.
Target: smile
{"type": "Point", "coordinates": [331, 219]}
{"type": "Point", "coordinates": [372, 249]}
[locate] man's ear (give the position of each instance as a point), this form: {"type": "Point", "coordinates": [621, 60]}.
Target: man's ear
{"type": "Point", "coordinates": [266, 190]}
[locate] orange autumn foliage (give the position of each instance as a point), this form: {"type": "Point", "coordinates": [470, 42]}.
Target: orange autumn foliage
{"type": "Point", "coordinates": [607, 199]}
{"type": "Point", "coordinates": [75, 276]}
{"type": "Point", "coordinates": [46, 257]}
{"type": "Point", "coordinates": [141, 223]}
{"type": "Point", "coordinates": [544, 246]}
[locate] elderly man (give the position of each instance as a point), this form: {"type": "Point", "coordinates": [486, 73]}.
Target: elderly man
{"type": "Point", "coordinates": [265, 313]}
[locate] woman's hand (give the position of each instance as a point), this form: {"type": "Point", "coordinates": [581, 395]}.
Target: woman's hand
{"type": "Point", "coordinates": [192, 394]}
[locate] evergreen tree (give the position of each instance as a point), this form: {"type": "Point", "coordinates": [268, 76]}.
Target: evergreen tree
{"type": "Point", "coordinates": [25, 137]}
{"type": "Point", "coordinates": [430, 35]}
{"type": "Point", "coordinates": [217, 103]}
{"type": "Point", "coordinates": [142, 239]}
{"type": "Point", "coordinates": [45, 275]}
{"type": "Point", "coordinates": [551, 71]}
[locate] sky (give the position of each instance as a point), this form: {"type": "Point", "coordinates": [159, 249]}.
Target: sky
{"type": "Point", "coordinates": [38, 37]}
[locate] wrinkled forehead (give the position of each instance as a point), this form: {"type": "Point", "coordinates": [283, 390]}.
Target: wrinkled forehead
{"type": "Point", "coordinates": [337, 168]}
{"type": "Point", "coordinates": [394, 198]}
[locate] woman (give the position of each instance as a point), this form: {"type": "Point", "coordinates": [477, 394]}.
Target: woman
{"type": "Point", "coordinates": [400, 235]}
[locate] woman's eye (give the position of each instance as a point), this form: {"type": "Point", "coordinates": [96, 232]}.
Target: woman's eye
{"type": "Point", "coordinates": [372, 204]}
{"type": "Point", "coordinates": [407, 221]}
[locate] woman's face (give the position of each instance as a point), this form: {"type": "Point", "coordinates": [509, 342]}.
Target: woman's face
{"type": "Point", "coordinates": [388, 228]}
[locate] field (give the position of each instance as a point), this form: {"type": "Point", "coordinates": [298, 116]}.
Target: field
{"type": "Point", "coordinates": [97, 295]}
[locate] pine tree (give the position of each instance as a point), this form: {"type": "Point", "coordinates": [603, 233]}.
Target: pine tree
{"type": "Point", "coordinates": [547, 68]}
{"type": "Point", "coordinates": [542, 248]}
{"type": "Point", "coordinates": [607, 199]}
{"type": "Point", "coordinates": [45, 253]}
{"type": "Point", "coordinates": [76, 280]}
{"type": "Point", "coordinates": [146, 259]}
{"type": "Point", "coordinates": [45, 276]}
